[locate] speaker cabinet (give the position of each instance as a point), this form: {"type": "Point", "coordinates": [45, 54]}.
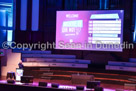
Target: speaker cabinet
{"type": "Point", "coordinates": [79, 87]}
{"type": "Point", "coordinates": [93, 84]}
{"type": "Point", "coordinates": [27, 79]}
{"type": "Point", "coordinates": [98, 89]}
{"type": "Point", "coordinates": [55, 85]}
{"type": "Point", "coordinates": [43, 84]}
{"type": "Point", "coordinates": [11, 81]}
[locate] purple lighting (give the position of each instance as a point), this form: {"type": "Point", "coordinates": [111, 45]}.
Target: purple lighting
{"type": "Point", "coordinates": [60, 86]}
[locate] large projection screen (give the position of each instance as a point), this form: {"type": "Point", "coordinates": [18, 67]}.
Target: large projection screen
{"type": "Point", "coordinates": [100, 30]}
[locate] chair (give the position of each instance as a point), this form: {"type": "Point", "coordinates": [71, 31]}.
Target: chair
{"type": "Point", "coordinates": [11, 75]}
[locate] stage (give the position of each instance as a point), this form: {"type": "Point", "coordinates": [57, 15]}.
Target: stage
{"type": "Point", "coordinates": [63, 85]}
{"type": "Point", "coordinates": [66, 45]}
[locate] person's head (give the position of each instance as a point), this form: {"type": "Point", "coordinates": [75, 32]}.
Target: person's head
{"type": "Point", "coordinates": [20, 62]}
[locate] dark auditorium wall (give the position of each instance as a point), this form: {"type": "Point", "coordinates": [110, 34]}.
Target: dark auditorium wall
{"type": "Point", "coordinates": [0, 66]}
{"type": "Point", "coordinates": [47, 26]}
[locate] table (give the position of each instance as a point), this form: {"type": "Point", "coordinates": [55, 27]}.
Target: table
{"type": "Point", "coordinates": [81, 78]}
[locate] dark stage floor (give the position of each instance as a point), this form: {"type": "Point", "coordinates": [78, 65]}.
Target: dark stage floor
{"type": "Point", "coordinates": [68, 84]}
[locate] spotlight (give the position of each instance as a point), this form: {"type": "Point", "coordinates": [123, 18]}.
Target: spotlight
{"type": "Point", "coordinates": [55, 85]}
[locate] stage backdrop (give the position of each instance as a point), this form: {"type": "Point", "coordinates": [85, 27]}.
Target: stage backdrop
{"type": "Point", "coordinates": [47, 25]}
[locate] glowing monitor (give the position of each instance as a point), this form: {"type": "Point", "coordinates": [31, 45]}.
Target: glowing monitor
{"type": "Point", "coordinates": [100, 30]}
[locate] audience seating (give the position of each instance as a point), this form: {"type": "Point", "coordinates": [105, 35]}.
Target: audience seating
{"type": "Point", "coordinates": [122, 66]}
